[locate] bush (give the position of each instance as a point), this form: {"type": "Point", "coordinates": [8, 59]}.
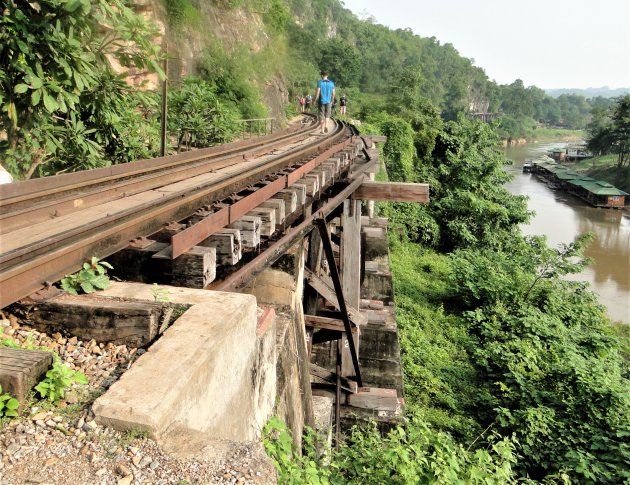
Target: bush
{"type": "Point", "coordinates": [198, 118]}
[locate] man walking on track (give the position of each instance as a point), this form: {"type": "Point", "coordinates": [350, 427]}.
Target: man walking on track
{"type": "Point", "coordinates": [324, 98]}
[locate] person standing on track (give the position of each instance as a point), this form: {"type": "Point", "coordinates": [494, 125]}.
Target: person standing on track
{"type": "Point", "coordinates": [324, 98]}
{"type": "Point", "coordinates": [343, 102]}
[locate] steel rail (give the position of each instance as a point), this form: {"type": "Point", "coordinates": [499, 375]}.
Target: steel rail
{"type": "Point", "coordinates": [49, 186]}
{"type": "Point", "coordinates": [66, 201]}
{"type": "Point", "coordinates": [27, 269]}
{"type": "Point", "coordinates": [237, 280]}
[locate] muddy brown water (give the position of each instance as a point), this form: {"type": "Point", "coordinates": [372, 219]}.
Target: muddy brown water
{"type": "Point", "coordinates": [562, 217]}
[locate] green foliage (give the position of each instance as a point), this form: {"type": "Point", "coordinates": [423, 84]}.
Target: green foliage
{"type": "Point", "coordinates": [92, 277]}
{"type": "Point", "coordinates": [160, 294]}
{"type": "Point", "coordinates": [468, 200]}
{"type": "Point", "coordinates": [497, 339]}
{"type": "Point", "coordinates": [230, 75]}
{"type": "Point", "coordinates": [277, 16]}
{"type": "Point", "coordinates": [610, 133]}
{"type": "Point", "coordinates": [52, 58]}
{"type": "Point", "coordinates": [181, 13]}
{"type": "Point", "coordinates": [439, 376]}
{"type": "Point", "coordinates": [415, 455]}
{"type": "Point", "coordinates": [551, 372]}
{"type": "Point", "coordinates": [8, 405]}
{"type": "Point", "coordinates": [58, 379]}
{"type": "Point", "coordinates": [198, 117]}
{"type": "Point", "coordinates": [342, 61]}
{"type": "Point", "coordinates": [132, 435]}
{"type": "Point", "coordinates": [399, 148]}
{"type": "Point", "coordinates": [294, 467]}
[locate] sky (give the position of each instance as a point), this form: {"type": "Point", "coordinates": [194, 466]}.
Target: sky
{"type": "Point", "coordinates": [546, 43]}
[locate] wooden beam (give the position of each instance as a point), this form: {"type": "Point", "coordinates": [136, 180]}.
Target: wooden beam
{"type": "Point", "coordinates": [323, 286]}
{"type": "Point", "coordinates": [326, 323]}
{"type": "Point", "coordinates": [331, 378]}
{"type": "Point", "coordinates": [341, 301]}
{"type": "Point", "coordinates": [393, 191]}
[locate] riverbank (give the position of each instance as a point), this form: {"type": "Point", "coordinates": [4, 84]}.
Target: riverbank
{"type": "Point", "coordinates": [605, 168]}
{"type": "Point", "coordinates": [543, 135]}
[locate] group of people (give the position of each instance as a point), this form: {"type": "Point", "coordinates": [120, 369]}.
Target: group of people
{"type": "Point", "coordinates": [325, 100]}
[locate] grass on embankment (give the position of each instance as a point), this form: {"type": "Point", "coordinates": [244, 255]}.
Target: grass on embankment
{"type": "Point", "coordinates": [439, 377]}
{"type": "Point", "coordinates": [605, 168]}
{"type": "Point", "coordinates": [554, 134]}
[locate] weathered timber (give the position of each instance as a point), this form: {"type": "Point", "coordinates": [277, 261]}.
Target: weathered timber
{"type": "Point", "coordinates": [116, 320]}
{"type": "Point", "coordinates": [227, 243]}
{"type": "Point", "coordinates": [324, 287]}
{"type": "Point", "coordinates": [312, 185]}
{"type": "Point", "coordinates": [376, 242]}
{"type": "Point", "coordinates": [331, 378]}
{"type": "Point", "coordinates": [331, 170]}
{"type": "Point", "coordinates": [152, 264]}
{"type": "Point", "coordinates": [250, 227]}
{"type": "Point", "coordinates": [322, 177]}
{"type": "Point", "coordinates": [351, 252]}
{"type": "Point", "coordinates": [300, 192]}
{"type": "Point", "coordinates": [21, 369]}
{"type": "Point", "coordinates": [290, 200]}
{"type": "Point", "coordinates": [376, 399]}
{"type": "Point", "coordinates": [393, 191]}
{"type": "Point", "coordinates": [278, 206]}
{"type": "Point", "coordinates": [326, 323]}
{"type": "Point", "coordinates": [267, 219]}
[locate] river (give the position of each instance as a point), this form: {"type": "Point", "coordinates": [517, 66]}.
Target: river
{"type": "Point", "coordinates": [562, 217]}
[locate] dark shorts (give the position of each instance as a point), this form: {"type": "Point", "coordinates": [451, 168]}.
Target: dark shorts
{"type": "Point", "coordinates": [325, 110]}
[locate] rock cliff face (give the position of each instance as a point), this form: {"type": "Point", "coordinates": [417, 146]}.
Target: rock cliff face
{"type": "Point", "coordinates": [186, 43]}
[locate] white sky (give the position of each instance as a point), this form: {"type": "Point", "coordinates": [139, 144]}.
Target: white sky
{"type": "Point", "coordinates": [546, 43]}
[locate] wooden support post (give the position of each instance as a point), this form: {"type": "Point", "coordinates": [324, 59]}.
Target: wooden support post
{"type": "Point", "coordinates": [334, 273]}
{"type": "Point", "coordinates": [338, 396]}
{"type": "Point", "coordinates": [324, 286]}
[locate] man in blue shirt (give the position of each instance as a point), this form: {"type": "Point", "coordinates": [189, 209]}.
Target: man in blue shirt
{"type": "Point", "coordinates": [324, 97]}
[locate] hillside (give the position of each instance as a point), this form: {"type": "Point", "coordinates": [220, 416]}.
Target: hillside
{"type": "Point", "coordinates": [604, 92]}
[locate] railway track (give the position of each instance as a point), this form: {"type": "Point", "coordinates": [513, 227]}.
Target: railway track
{"type": "Point", "coordinates": [50, 226]}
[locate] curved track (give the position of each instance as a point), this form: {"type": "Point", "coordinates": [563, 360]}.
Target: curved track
{"type": "Point", "coordinates": [50, 226]}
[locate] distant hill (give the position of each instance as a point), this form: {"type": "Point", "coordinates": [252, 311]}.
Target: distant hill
{"type": "Point", "coordinates": [604, 92]}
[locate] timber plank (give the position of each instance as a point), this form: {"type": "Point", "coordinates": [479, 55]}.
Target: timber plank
{"type": "Point", "coordinates": [120, 321]}
{"type": "Point", "coordinates": [392, 191]}
{"type": "Point", "coordinates": [21, 369]}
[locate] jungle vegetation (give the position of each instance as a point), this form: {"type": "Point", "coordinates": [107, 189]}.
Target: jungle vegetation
{"type": "Point", "coordinates": [63, 107]}
{"type": "Point", "coordinates": [512, 373]}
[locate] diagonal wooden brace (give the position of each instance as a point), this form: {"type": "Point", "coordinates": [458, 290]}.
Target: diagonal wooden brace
{"type": "Point", "coordinates": [334, 273]}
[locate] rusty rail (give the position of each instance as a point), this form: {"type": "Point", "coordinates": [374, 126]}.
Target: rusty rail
{"type": "Point", "coordinates": [26, 269]}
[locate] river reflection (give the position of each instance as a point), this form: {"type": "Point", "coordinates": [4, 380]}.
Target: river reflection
{"type": "Point", "coordinates": [562, 217]}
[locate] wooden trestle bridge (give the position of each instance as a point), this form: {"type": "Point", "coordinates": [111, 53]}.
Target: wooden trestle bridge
{"type": "Point", "coordinates": [211, 218]}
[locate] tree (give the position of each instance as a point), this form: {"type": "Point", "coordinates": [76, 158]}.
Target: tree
{"type": "Point", "coordinates": [52, 53]}
{"type": "Point", "coordinates": [342, 62]}
{"type": "Point", "coordinates": [466, 176]}
{"type": "Point", "coordinates": [609, 132]}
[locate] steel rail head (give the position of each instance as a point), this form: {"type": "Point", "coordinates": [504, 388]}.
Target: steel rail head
{"type": "Point", "coordinates": [24, 271]}
{"type": "Point", "coordinates": [23, 190]}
